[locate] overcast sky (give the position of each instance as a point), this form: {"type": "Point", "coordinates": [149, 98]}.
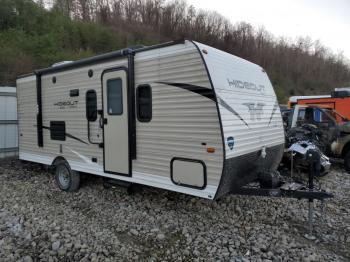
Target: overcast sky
{"type": "Point", "coordinates": [325, 20]}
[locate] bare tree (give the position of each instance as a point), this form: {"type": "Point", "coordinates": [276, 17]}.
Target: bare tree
{"type": "Point", "coordinates": [298, 65]}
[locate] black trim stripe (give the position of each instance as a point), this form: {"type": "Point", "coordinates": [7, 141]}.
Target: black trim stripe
{"type": "Point", "coordinates": [39, 116]}
{"type": "Point", "coordinates": [227, 107]}
{"type": "Point", "coordinates": [76, 138]}
{"type": "Point", "coordinates": [131, 106]}
{"type": "Point", "coordinates": [206, 92]}
{"type": "Point", "coordinates": [219, 115]}
{"type": "Point", "coordinates": [203, 91]}
{"type": "Point", "coordinates": [275, 106]}
{"type": "Point", "coordinates": [69, 135]}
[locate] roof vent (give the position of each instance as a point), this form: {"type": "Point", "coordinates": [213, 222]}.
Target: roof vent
{"type": "Point", "coordinates": [61, 63]}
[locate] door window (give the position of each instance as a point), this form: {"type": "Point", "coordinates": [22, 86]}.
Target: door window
{"type": "Point", "coordinates": [114, 96]}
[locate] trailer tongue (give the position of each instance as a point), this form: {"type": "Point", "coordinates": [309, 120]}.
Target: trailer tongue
{"type": "Point", "coordinates": [293, 189]}
{"type": "Point", "coordinates": [305, 193]}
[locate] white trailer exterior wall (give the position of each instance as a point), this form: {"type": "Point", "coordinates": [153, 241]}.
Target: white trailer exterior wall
{"type": "Point", "coordinates": [8, 122]}
{"type": "Point", "coordinates": [245, 95]}
{"type": "Point", "coordinates": [181, 120]}
{"type": "Point", "coordinates": [250, 117]}
{"type": "Point", "coordinates": [189, 99]}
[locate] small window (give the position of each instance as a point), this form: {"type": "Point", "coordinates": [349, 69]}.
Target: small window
{"type": "Point", "coordinates": [58, 130]}
{"type": "Point", "coordinates": [91, 105]}
{"type": "Point", "coordinates": [144, 103]}
{"type": "Point", "coordinates": [114, 96]}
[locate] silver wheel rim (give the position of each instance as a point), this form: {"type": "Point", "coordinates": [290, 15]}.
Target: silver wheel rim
{"type": "Point", "coordinates": [63, 176]}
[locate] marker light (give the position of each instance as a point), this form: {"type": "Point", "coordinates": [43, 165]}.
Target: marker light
{"type": "Point", "coordinates": [210, 149]}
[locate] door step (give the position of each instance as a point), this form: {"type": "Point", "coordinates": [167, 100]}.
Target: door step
{"type": "Point", "coordinates": [130, 187]}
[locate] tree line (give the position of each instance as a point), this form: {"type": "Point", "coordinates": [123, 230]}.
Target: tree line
{"type": "Point", "coordinates": [79, 28]}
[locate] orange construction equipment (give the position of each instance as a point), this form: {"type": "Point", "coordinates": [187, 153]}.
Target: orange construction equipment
{"type": "Point", "coordinates": [293, 100]}
{"type": "Point", "coordinates": [340, 105]}
{"type": "Point", "coordinates": [339, 101]}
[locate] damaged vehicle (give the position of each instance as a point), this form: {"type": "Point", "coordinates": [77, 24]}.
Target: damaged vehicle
{"type": "Point", "coordinates": [299, 142]}
{"type": "Point", "coordinates": [323, 126]}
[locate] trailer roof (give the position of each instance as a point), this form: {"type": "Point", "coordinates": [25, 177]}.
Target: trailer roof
{"type": "Point", "coordinates": [103, 57]}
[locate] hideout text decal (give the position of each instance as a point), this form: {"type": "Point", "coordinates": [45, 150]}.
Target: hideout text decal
{"type": "Point", "coordinates": [66, 104]}
{"type": "Point", "coordinates": [232, 83]}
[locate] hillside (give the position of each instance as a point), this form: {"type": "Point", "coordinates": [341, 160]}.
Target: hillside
{"type": "Point", "coordinates": [32, 36]}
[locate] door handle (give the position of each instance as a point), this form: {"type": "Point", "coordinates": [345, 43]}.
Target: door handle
{"type": "Point", "coordinates": [103, 121]}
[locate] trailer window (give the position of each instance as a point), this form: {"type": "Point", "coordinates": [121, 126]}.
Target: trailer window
{"type": "Point", "coordinates": [144, 103]}
{"type": "Point", "coordinates": [114, 96]}
{"type": "Point", "coordinates": [91, 105]}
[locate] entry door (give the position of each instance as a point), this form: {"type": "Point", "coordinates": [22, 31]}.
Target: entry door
{"type": "Point", "coordinates": [115, 132]}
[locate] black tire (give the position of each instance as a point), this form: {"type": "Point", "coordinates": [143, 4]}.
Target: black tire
{"type": "Point", "coordinates": [66, 179]}
{"type": "Point", "coordinates": [347, 161]}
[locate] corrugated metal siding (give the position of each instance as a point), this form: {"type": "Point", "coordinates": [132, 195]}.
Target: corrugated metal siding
{"type": "Point", "coordinates": [27, 109]}
{"type": "Point", "coordinates": [75, 118]}
{"type": "Point", "coordinates": [8, 122]}
{"type": "Point", "coordinates": [181, 120]}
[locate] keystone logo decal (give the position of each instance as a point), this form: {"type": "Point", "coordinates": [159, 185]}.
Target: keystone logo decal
{"type": "Point", "coordinates": [230, 142]}
{"type": "Point", "coordinates": [255, 110]}
{"type": "Point", "coordinates": [64, 104]}
{"type": "Point", "coordinates": [246, 85]}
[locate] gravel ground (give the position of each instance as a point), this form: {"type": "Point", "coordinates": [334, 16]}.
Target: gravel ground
{"type": "Point", "coordinates": [38, 222]}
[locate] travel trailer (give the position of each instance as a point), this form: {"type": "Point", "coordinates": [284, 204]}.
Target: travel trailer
{"type": "Point", "coordinates": [180, 116]}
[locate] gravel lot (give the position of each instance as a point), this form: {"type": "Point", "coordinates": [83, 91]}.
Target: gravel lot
{"type": "Point", "coordinates": [38, 222]}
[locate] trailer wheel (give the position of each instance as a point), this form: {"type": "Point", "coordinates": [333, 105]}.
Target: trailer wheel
{"type": "Point", "coordinates": [66, 179]}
